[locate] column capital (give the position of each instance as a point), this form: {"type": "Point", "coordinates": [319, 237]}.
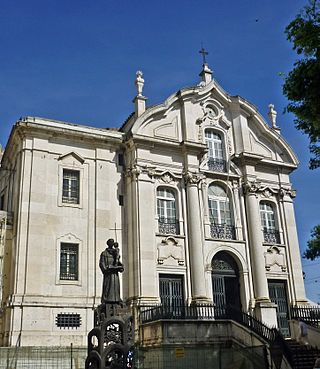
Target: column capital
{"type": "Point", "coordinates": [133, 172]}
{"type": "Point", "coordinates": [251, 187]}
{"type": "Point", "coordinates": [192, 179]}
{"type": "Point", "coordinates": [287, 193]}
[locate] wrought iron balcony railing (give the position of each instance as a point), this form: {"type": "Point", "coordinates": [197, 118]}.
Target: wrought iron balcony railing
{"type": "Point", "coordinates": [217, 165]}
{"type": "Point", "coordinates": [271, 235]}
{"type": "Point", "coordinates": [223, 231]}
{"type": "Point", "coordinates": [168, 226]}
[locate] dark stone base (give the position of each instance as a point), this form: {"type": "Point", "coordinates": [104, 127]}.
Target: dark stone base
{"type": "Point", "coordinates": [110, 342]}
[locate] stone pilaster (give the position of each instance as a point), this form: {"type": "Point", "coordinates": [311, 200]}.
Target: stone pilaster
{"type": "Point", "coordinates": [286, 202]}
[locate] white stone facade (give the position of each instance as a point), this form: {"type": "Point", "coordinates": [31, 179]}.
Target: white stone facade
{"type": "Point", "coordinates": [68, 188]}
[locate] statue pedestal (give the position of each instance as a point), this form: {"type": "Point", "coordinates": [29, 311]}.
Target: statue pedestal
{"type": "Point", "coordinates": [110, 342]}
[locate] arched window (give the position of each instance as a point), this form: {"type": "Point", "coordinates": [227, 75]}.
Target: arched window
{"type": "Point", "coordinates": [216, 157]}
{"type": "Point", "coordinates": [268, 222]}
{"type": "Point", "coordinates": [220, 213]}
{"type": "Point", "coordinates": [167, 213]}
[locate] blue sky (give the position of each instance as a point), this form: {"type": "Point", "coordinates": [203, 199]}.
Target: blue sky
{"type": "Point", "coordinates": [76, 60]}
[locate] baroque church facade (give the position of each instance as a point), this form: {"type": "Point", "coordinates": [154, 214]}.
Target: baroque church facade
{"type": "Point", "coordinates": [195, 190]}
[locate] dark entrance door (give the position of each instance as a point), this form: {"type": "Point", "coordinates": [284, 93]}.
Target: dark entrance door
{"type": "Point", "coordinates": [171, 293]}
{"type": "Point", "coordinates": [278, 295]}
{"type": "Point", "coordinates": [225, 281]}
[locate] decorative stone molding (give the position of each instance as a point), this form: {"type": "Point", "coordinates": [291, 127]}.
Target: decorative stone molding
{"type": "Point", "coordinates": [274, 260]}
{"type": "Point", "coordinates": [287, 192]}
{"type": "Point", "coordinates": [166, 178]}
{"type": "Point", "coordinates": [267, 191]}
{"type": "Point", "coordinates": [212, 114]}
{"type": "Point", "coordinates": [251, 187]}
{"type": "Point", "coordinates": [192, 179]}
{"type": "Point", "coordinates": [170, 248]}
{"type": "Point", "coordinates": [212, 111]}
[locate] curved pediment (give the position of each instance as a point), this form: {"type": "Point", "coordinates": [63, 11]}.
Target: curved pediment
{"type": "Point", "coordinates": [185, 115]}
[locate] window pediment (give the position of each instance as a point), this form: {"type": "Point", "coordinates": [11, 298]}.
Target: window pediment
{"type": "Point", "coordinates": [71, 157]}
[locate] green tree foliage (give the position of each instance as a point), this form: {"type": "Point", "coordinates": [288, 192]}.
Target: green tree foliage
{"type": "Point", "coordinates": [313, 249]}
{"type": "Point", "coordinates": [302, 88]}
{"type": "Point", "coordinates": [302, 85]}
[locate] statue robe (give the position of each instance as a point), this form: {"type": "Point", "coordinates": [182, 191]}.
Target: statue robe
{"type": "Point", "coordinates": [111, 283]}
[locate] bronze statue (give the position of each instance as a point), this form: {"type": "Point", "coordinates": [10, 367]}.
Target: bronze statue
{"type": "Point", "coordinates": [110, 266]}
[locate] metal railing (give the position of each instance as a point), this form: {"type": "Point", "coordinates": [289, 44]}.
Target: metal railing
{"type": "Point", "coordinates": [217, 165]}
{"type": "Point", "coordinates": [310, 315]}
{"type": "Point", "coordinates": [222, 231]}
{"type": "Point", "coordinates": [168, 226]}
{"type": "Point", "coordinates": [271, 235]}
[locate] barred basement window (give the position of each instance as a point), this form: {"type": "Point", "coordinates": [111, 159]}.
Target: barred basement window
{"type": "Point", "coordinates": [68, 320]}
{"type": "Point", "coordinates": [69, 261]}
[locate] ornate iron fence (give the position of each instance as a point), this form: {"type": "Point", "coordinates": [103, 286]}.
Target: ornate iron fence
{"type": "Point", "coordinates": [271, 235]}
{"type": "Point", "coordinates": [222, 231]}
{"type": "Point", "coordinates": [217, 165]}
{"type": "Point", "coordinates": [168, 226]}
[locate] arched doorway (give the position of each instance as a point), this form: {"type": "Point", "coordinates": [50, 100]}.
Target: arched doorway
{"type": "Point", "coordinates": [225, 281]}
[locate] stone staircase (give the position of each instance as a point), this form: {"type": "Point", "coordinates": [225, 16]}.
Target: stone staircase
{"type": "Point", "coordinates": [303, 356]}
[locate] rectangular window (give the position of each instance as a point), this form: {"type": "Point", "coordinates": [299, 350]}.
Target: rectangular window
{"type": "Point", "coordinates": [69, 261]}
{"type": "Point", "coordinates": [71, 186]}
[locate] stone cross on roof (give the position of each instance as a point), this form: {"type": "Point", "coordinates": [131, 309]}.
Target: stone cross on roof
{"type": "Point", "coordinates": [204, 53]}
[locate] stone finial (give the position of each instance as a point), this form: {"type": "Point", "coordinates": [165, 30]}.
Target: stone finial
{"type": "Point", "coordinates": [273, 117]}
{"type": "Point", "coordinates": [139, 82]}
{"type": "Point", "coordinates": [139, 100]}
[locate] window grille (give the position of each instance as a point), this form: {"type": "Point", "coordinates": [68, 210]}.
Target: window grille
{"type": "Point", "coordinates": [71, 186]}
{"type": "Point", "coordinates": [69, 261]}
{"type": "Point", "coordinates": [68, 320]}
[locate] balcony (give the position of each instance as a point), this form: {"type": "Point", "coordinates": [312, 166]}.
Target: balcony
{"type": "Point", "coordinates": [168, 226]}
{"type": "Point", "coordinates": [271, 235]}
{"type": "Point", "coordinates": [217, 165]}
{"type": "Point", "coordinates": [222, 231]}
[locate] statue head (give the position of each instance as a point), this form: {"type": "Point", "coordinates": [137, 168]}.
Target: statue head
{"type": "Point", "coordinates": [110, 243]}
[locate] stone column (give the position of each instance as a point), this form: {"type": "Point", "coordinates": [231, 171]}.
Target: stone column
{"type": "Point", "coordinates": [264, 309]}
{"type": "Point", "coordinates": [198, 289]}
